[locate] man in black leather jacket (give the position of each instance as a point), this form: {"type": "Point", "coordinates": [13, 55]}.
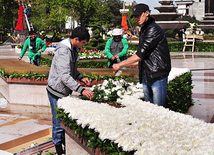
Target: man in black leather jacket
{"type": "Point", "coordinates": [152, 57]}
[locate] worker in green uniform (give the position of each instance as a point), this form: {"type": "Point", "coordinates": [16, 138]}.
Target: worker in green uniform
{"type": "Point", "coordinates": [116, 48]}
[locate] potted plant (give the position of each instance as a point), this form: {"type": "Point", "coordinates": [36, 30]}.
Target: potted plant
{"type": "Point", "coordinates": [18, 48]}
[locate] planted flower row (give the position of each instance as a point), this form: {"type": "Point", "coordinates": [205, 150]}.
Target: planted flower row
{"type": "Point", "coordinates": [179, 90]}
{"type": "Point", "coordinates": [141, 127]}
{"type": "Point", "coordinates": [93, 54]}
{"type": "Point", "coordinates": [109, 91]}
{"type": "Point", "coordinates": [29, 75]}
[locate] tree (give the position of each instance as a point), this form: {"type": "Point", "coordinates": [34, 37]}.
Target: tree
{"type": "Point", "coordinates": [85, 10]}
{"type": "Point", "coordinates": [115, 15]}
{"type": "Point", "coordinates": [58, 12]}
{"type": "Point", "coordinates": [40, 16]}
{"type": "Point", "coordinates": [50, 14]}
{"type": "Point", "coordinates": [9, 13]}
{"type": "Point", "coordinates": [97, 41]}
{"type": "Point", "coordinates": [101, 17]}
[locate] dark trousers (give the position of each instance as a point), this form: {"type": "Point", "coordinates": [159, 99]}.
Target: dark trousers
{"type": "Point", "coordinates": [112, 62]}
{"type": "Point", "coordinates": [36, 61]}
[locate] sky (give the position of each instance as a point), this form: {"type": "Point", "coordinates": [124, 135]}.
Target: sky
{"type": "Point", "coordinates": [150, 3]}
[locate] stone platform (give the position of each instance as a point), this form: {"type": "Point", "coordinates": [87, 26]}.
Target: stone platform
{"type": "Point", "coordinates": [13, 65]}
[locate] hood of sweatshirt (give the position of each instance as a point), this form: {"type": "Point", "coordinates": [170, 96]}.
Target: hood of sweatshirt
{"type": "Point", "coordinates": [64, 44]}
{"type": "Point", "coordinates": [67, 44]}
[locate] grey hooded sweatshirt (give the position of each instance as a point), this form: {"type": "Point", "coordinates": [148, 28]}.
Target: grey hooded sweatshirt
{"type": "Point", "coordinates": [63, 73]}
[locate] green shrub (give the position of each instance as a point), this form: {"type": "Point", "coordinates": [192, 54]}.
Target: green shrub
{"type": "Point", "coordinates": [101, 46]}
{"type": "Point", "coordinates": [204, 47]}
{"type": "Point", "coordinates": [19, 46]}
{"type": "Point", "coordinates": [170, 33]}
{"type": "Point", "coordinates": [89, 47]}
{"type": "Point", "coordinates": [178, 47]}
{"type": "Point", "coordinates": [93, 64]}
{"type": "Point", "coordinates": [46, 61]}
{"type": "Point", "coordinates": [179, 93]}
{"type": "Point", "coordinates": [29, 75]}
{"type": "Point", "coordinates": [133, 46]}
{"type": "Point", "coordinates": [97, 41]}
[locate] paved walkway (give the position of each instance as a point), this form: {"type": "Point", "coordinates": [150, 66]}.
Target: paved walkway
{"type": "Point", "coordinates": [201, 64]}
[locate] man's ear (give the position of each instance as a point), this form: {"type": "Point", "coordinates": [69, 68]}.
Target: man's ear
{"type": "Point", "coordinates": [76, 39]}
{"type": "Point", "coordinates": [147, 13]}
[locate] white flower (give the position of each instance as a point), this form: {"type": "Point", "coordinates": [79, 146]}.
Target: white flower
{"type": "Point", "coordinates": [107, 91]}
{"type": "Point", "coordinates": [119, 100]}
{"type": "Point", "coordinates": [106, 98]}
{"type": "Point", "coordinates": [105, 83]}
{"type": "Point", "coordinates": [119, 93]}
{"type": "Point", "coordinates": [102, 88]}
{"type": "Point", "coordinates": [92, 88]}
{"type": "Point", "coordinates": [122, 81]}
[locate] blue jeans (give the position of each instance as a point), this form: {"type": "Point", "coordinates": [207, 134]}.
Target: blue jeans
{"type": "Point", "coordinates": [35, 62]}
{"type": "Point", "coordinates": [58, 133]}
{"type": "Point", "coordinates": [155, 91]}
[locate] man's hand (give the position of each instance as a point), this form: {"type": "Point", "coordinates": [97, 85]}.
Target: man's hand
{"type": "Point", "coordinates": [112, 58]}
{"type": "Point", "coordinates": [116, 67]}
{"type": "Point", "coordinates": [19, 58]}
{"type": "Point", "coordinates": [40, 51]}
{"type": "Point", "coordinates": [88, 93]}
{"type": "Point", "coordinates": [86, 81]}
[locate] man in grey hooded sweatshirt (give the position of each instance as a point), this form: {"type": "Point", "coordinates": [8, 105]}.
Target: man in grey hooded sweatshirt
{"type": "Point", "coordinates": [62, 79]}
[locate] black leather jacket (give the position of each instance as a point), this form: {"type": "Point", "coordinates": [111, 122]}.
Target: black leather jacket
{"type": "Point", "coordinates": [153, 51]}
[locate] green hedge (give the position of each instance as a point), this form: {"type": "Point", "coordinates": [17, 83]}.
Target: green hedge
{"type": "Point", "coordinates": [89, 64]}
{"type": "Point", "coordinates": [93, 64]}
{"type": "Point", "coordinates": [178, 47]}
{"type": "Point", "coordinates": [46, 61]}
{"type": "Point", "coordinates": [179, 93]}
{"type": "Point", "coordinates": [29, 75]}
{"type": "Point", "coordinates": [204, 47]}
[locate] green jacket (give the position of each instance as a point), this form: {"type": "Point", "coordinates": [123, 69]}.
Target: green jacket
{"type": "Point", "coordinates": [31, 55]}
{"type": "Point", "coordinates": [122, 55]}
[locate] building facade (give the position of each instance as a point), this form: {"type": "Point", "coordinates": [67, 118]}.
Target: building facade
{"type": "Point", "coordinates": [184, 6]}
{"type": "Point", "coordinates": [197, 8]}
{"type": "Point", "coordinates": [209, 6]}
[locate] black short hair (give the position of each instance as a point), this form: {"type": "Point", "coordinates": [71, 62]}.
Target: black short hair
{"type": "Point", "coordinates": [81, 33]}
{"type": "Point", "coordinates": [32, 32]}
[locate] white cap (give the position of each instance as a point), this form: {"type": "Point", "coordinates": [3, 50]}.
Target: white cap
{"type": "Point", "coordinates": [117, 32]}
{"type": "Point", "coordinates": [29, 5]}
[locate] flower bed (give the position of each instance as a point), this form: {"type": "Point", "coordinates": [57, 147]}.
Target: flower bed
{"type": "Point", "coordinates": [93, 54]}
{"type": "Point", "coordinates": [25, 80]}
{"type": "Point", "coordinates": [173, 47]}
{"type": "Point", "coordinates": [137, 127]}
